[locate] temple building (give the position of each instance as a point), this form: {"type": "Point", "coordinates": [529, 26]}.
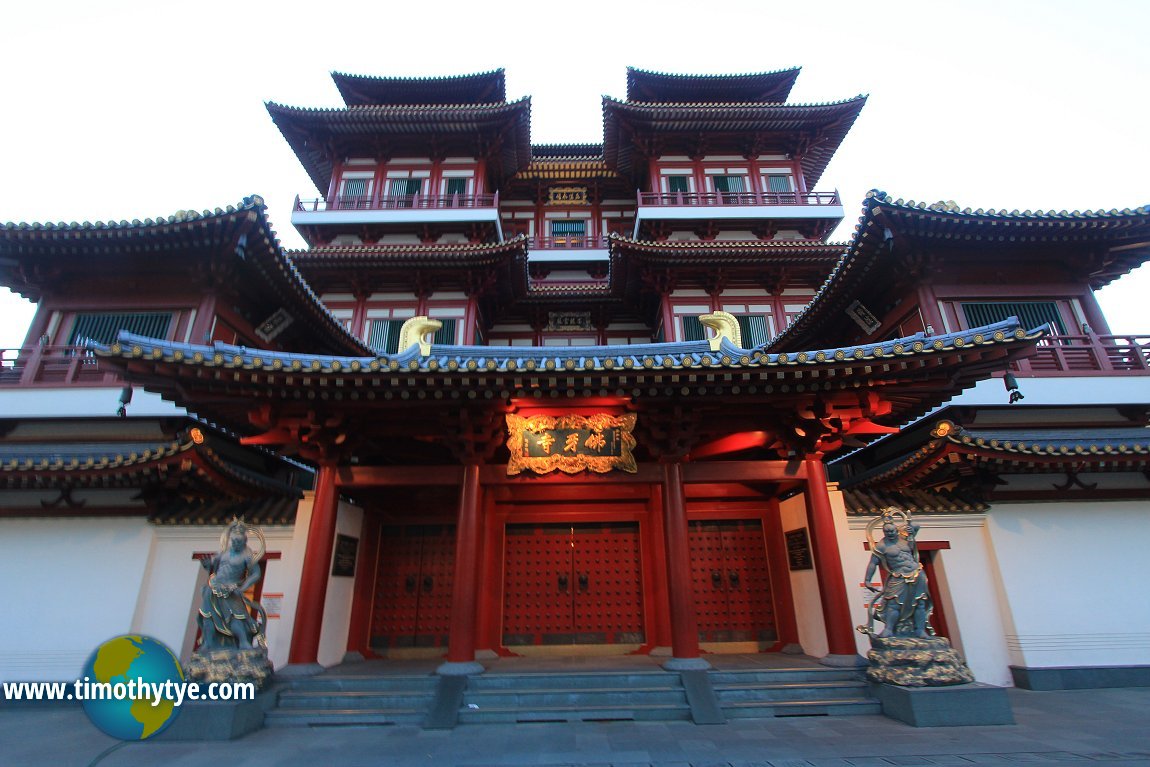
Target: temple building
{"type": "Point", "coordinates": [563, 400]}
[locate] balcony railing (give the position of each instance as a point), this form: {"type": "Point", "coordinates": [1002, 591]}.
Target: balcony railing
{"type": "Point", "coordinates": [705, 199]}
{"type": "Point", "coordinates": [400, 202]}
{"type": "Point", "coordinates": [565, 241]}
{"type": "Point", "coordinates": [1087, 354]}
{"type": "Point", "coordinates": [54, 366]}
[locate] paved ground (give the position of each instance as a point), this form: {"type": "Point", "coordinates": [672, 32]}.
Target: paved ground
{"type": "Point", "coordinates": [1083, 727]}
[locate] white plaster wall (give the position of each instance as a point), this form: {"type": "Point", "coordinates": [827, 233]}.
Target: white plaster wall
{"type": "Point", "coordinates": [805, 586]}
{"type": "Point", "coordinates": [1074, 578]}
{"type": "Point", "coordinates": [968, 578]}
{"type": "Point", "coordinates": [337, 604]}
{"type": "Point", "coordinates": [69, 584]}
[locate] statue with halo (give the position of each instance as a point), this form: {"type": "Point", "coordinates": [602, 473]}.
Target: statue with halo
{"type": "Point", "coordinates": [233, 646]}
{"type": "Point", "coordinates": [906, 652]}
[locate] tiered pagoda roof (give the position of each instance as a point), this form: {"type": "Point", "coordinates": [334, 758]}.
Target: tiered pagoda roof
{"type": "Point", "coordinates": [196, 477]}
{"type": "Point", "coordinates": [949, 452]}
{"type": "Point", "coordinates": [480, 88]}
{"type": "Point", "coordinates": [314, 134]}
{"type": "Point", "coordinates": [237, 240]}
{"type": "Point", "coordinates": [913, 374]}
{"type": "Point", "coordinates": [660, 87]}
{"type": "Point", "coordinates": [812, 131]}
{"type": "Point", "coordinates": [1119, 241]}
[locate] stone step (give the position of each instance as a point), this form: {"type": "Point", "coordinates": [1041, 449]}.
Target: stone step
{"type": "Point", "coordinates": [780, 676]}
{"type": "Point", "coordinates": [587, 697]}
{"type": "Point", "coordinates": [797, 691]}
{"type": "Point", "coordinates": [651, 713]}
{"type": "Point", "coordinates": [570, 681]}
{"type": "Point", "coordinates": [342, 717]}
{"type": "Point", "coordinates": [325, 682]}
{"type": "Point", "coordinates": [355, 699]}
{"type": "Point", "coordinates": [832, 707]}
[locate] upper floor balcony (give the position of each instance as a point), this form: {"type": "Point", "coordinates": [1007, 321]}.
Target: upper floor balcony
{"type": "Point", "coordinates": [736, 206]}
{"type": "Point", "coordinates": [1089, 354]}
{"type": "Point", "coordinates": [54, 366]}
{"type": "Point", "coordinates": [413, 209]}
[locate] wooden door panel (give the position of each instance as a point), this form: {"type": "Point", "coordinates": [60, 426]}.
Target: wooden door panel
{"type": "Point", "coordinates": [413, 586]}
{"type": "Point", "coordinates": [731, 581]}
{"type": "Point", "coordinates": [609, 608]}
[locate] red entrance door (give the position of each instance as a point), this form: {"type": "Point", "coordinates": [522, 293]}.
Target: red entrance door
{"type": "Point", "coordinates": [572, 584]}
{"type": "Point", "coordinates": [413, 587]}
{"type": "Point", "coordinates": [731, 582]}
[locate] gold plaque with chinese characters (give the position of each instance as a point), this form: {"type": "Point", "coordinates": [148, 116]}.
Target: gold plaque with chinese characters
{"type": "Point", "coordinates": [567, 195]}
{"type": "Point", "coordinates": [571, 443]}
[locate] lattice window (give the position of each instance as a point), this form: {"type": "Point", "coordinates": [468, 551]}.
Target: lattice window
{"type": "Point", "coordinates": [754, 330]}
{"type": "Point", "coordinates": [1032, 314]}
{"type": "Point", "coordinates": [103, 328]}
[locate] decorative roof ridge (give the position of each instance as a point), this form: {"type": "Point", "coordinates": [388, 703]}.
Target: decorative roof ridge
{"type": "Point", "coordinates": [159, 450]}
{"type": "Point", "coordinates": [251, 203]}
{"type": "Point", "coordinates": [947, 432]}
{"type": "Point", "coordinates": [862, 97]}
{"type": "Point", "coordinates": [490, 106]}
{"type": "Point", "coordinates": [956, 434]}
{"type": "Point", "coordinates": [952, 208]}
{"type": "Point", "coordinates": [383, 247]}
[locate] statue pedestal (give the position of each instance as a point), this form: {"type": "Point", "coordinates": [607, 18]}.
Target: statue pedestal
{"type": "Point", "coordinates": [926, 683]}
{"type": "Point", "coordinates": [952, 706]}
{"type": "Point", "coordinates": [913, 662]}
{"type": "Point", "coordinates": [219, 719]}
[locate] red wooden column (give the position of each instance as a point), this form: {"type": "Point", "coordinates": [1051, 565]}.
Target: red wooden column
{"type": "Point", "coordinates": [684, 625]}
{"type": "Point", "coordinates": [829, 569]}
{"type": "Point", "coordinates": [316, 564]}
{"type": "Point", "coordinates": [461, 642]}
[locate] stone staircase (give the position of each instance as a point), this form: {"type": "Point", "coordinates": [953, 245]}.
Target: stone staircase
{"type": "Point", "coordinates": [821, 691]}
{"type": "Point", "coordinates": [588, 696]}
{"type": "Point", "coordinates": [574, 697]}
{"type": "Point", "coordinates": [333, 700]}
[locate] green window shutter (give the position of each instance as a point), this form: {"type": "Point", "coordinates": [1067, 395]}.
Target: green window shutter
{"type": "Point", "coordinates": [568, 228]}
{"type": "Point", "coordinates": [778, 183]}
{"type": "Point", "coordinates": [456, 186]}
{"type": "Point", "coordinates": [677, 184]}
{"type": "Point", "coordinates": [1032, 314]}
{"type": "Point", "coordinates": [354, 187]}
{"type": "Point", "coordinates": [445, 336]}
{"type": "Point", "coordinates": [692, 329]}
{"type": "Point", "coordinates": [753, 328]}
{"type": "Point", "coordinates": [105, 327]}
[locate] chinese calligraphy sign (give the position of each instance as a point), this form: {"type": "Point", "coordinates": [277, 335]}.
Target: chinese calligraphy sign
{"type": "Point", "coordinates": [571, 443]}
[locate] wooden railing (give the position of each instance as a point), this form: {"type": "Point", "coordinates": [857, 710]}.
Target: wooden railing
{"type": "Point", "coordinates": [1088, 354]}
{"type": "Point", "coordinates": [704, 199]}
{"type": "Point", "coordinates": [400, 202]}
{"type": "Point", "coordinates": [54, 366]}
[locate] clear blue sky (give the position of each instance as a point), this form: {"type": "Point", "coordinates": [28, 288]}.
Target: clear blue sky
{"type": "Point", "coordinates": [122, 110]}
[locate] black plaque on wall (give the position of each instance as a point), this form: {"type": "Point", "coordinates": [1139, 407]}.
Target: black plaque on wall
{"type": "Point", "coordinates": [799, 550]}
{"type": "Point", "coordinates": [343, 560]}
